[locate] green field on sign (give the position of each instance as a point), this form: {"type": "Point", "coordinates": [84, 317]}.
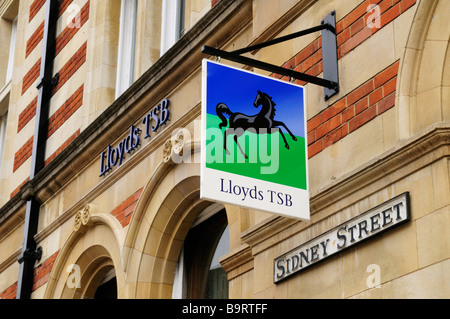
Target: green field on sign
{"type": "Point", "coordinates": [268, 158]}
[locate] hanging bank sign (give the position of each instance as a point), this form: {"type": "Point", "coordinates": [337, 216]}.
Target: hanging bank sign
{"type": "Point", "coordinates": [116, 154]}
{"type": "Point", "coordinates": [373, 222]}
{"type": "Point", "coordinates": [254, 150]}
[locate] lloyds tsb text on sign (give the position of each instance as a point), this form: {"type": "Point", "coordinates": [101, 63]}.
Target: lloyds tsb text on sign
{"type": "Point", "coordinates": [373, 222]}
{"type": "Point", "coordinates": [114, 156]}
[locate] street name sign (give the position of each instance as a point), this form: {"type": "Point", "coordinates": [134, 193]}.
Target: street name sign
{"type": "Point", "coordinates": [386, 216]}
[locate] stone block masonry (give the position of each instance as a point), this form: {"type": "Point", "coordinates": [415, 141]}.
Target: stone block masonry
{"type": "Point", "coordinates": [368, 100]}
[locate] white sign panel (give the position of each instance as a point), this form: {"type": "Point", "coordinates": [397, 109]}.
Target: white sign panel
{"type": "Point", "coordinates": [373, 222]}
{"type": "Point", "coordinates": [254, 148]}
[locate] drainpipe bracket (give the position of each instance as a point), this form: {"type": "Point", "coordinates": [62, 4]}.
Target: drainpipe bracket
{"type": "Point", "coordinates": [48, 82]}
{"type": "Point", "coordinates": [30, 255]}
{"type": "Point", "coordinates": [28, 191]}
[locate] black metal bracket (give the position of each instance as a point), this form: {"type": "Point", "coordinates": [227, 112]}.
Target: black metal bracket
{"type": "Point", "coordinates": [55, 80]}
{"type": "Point", "coordinates": [329, 55]}
{"type": "Point", "coordinates": [330, 80]}
{"type": "Point", "coordinates": [30, 255]}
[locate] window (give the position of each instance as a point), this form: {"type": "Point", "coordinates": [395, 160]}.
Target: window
{"type": "Point", "coordinates": [3, 118]}
{"type": "Point", "coordinates": [172, 26]}
{"type": "Point", "coordinates": [8, 34]}
{"type": "Point", "coordinates": [199, 274]}
{"type": "Point", "coordinates": [8, 26]}
{"type": "Point", "coordinates": [127, 39]}
{"type": "Point", "coordinates": [98, 280]}
{"type": "Point", "coordinates": [12, 47]}
{"type": "Point", "coordinates": [107, 289]}
{"type": "Point", "coordinates": [217, 283]}
{"type": "Point", "coordinates": [177, 17]}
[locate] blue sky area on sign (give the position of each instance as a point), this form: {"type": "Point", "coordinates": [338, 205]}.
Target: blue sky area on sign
{"type": "Point", "coordinates": [238, 89]}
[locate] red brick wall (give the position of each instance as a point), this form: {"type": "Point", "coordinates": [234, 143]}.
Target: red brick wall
{"type": "Point", "coordinates": [74, 63]}
{"type": "Point", "coordinates": [15, 191]}
{"type": "Point", "coordinates": [61, 41]}
{"type": "Point", "coordinates": [369, 100]}
{"type": "Point", "coordinates": [41, 276]}
{"type": "Point", "coordinates": [124, 211]}
{"type": "Point", "coordinates": [10, 292]}
{"type": "Point", "coordinates": [23, 154]}
{"type": "Point", "coordinates": [35, 7]}
{"type": "Point", "coordinates": [65, 36]}
{"type": "Point", "coordinates": [62, 147]}
{"type": "Point", "coordinates": [63, 5]}
{"type": "Point", "coordinates": [38, 4]}
{"type": "Point", "coordinates": [69, 107]}
{"type": "Point", "coordinates": [68, 33]}
{"type": "Point", "coordinates": [42, 272]}
{"type": "Point", "coordinates": [354, 28]}
{"type": "Point", "coordinates": [351, 31]}
{"type": "Point", "coordinates": [72, 104]}
{"type": "Point", "coordinates": [31, 76]}
{"type": "Point", "coordinates": [366, 101]}
{"type": "Point", "coordinates": [35, 38]}
{"type": "Point", "coordinates": [27, 114]}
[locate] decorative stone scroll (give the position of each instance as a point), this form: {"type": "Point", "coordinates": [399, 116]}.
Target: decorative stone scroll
{"type": "Point", "coordinates": [174, 147]}
{"type": "Point", "coordinates": [167, 151]}
{"type": "Point", "coordinates": [83, 218]}
{"type": "Point", "coordinates": [179, 141]}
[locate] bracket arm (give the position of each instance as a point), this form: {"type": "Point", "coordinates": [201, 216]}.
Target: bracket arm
{"type": "Point", "coordinates": [330, 80]}
{"type": "Point", "coordinates": [268, 67]}
{"type": "Point", "coordinates": [286, 38]}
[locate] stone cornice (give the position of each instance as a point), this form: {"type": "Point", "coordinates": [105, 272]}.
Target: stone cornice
{"type": "Point", "coordinates": [4, 6]}
{"type": "Point", "coordinates": [407, 157]}
{"type": "Point", "coordinates": [237, 261]}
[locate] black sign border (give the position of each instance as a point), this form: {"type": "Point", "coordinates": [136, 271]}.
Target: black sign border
{"type": "Point", "coordinates": [407, 219]}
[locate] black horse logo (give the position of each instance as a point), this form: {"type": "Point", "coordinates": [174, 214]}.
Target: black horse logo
{"type": "Point", "coordinates": [263, 120]}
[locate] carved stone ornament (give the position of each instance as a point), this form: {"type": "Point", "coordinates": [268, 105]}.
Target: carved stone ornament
{"type": "Point", "coordinates": [174, 147]}
{"type": "Point", "coordinates": [77, 223]}
{"type": "Point", "coordinates": [83, 218]}
{"type": "Point", "coordinates": [167, 151]}
{"type": "Point", "coordinates": [179, 140]}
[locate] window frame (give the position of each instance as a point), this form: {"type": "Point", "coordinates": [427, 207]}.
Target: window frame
{"type": "Point", "coordinates": [187, 283]}
{"type": "Point", "coordinates": [126, 47]}
{"type": "Point", "coordinates": [12, 49]}
{"type": "Point", "coordinates": [172, 23]}
{"type": "Point", "coordinates": [3, 124]}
